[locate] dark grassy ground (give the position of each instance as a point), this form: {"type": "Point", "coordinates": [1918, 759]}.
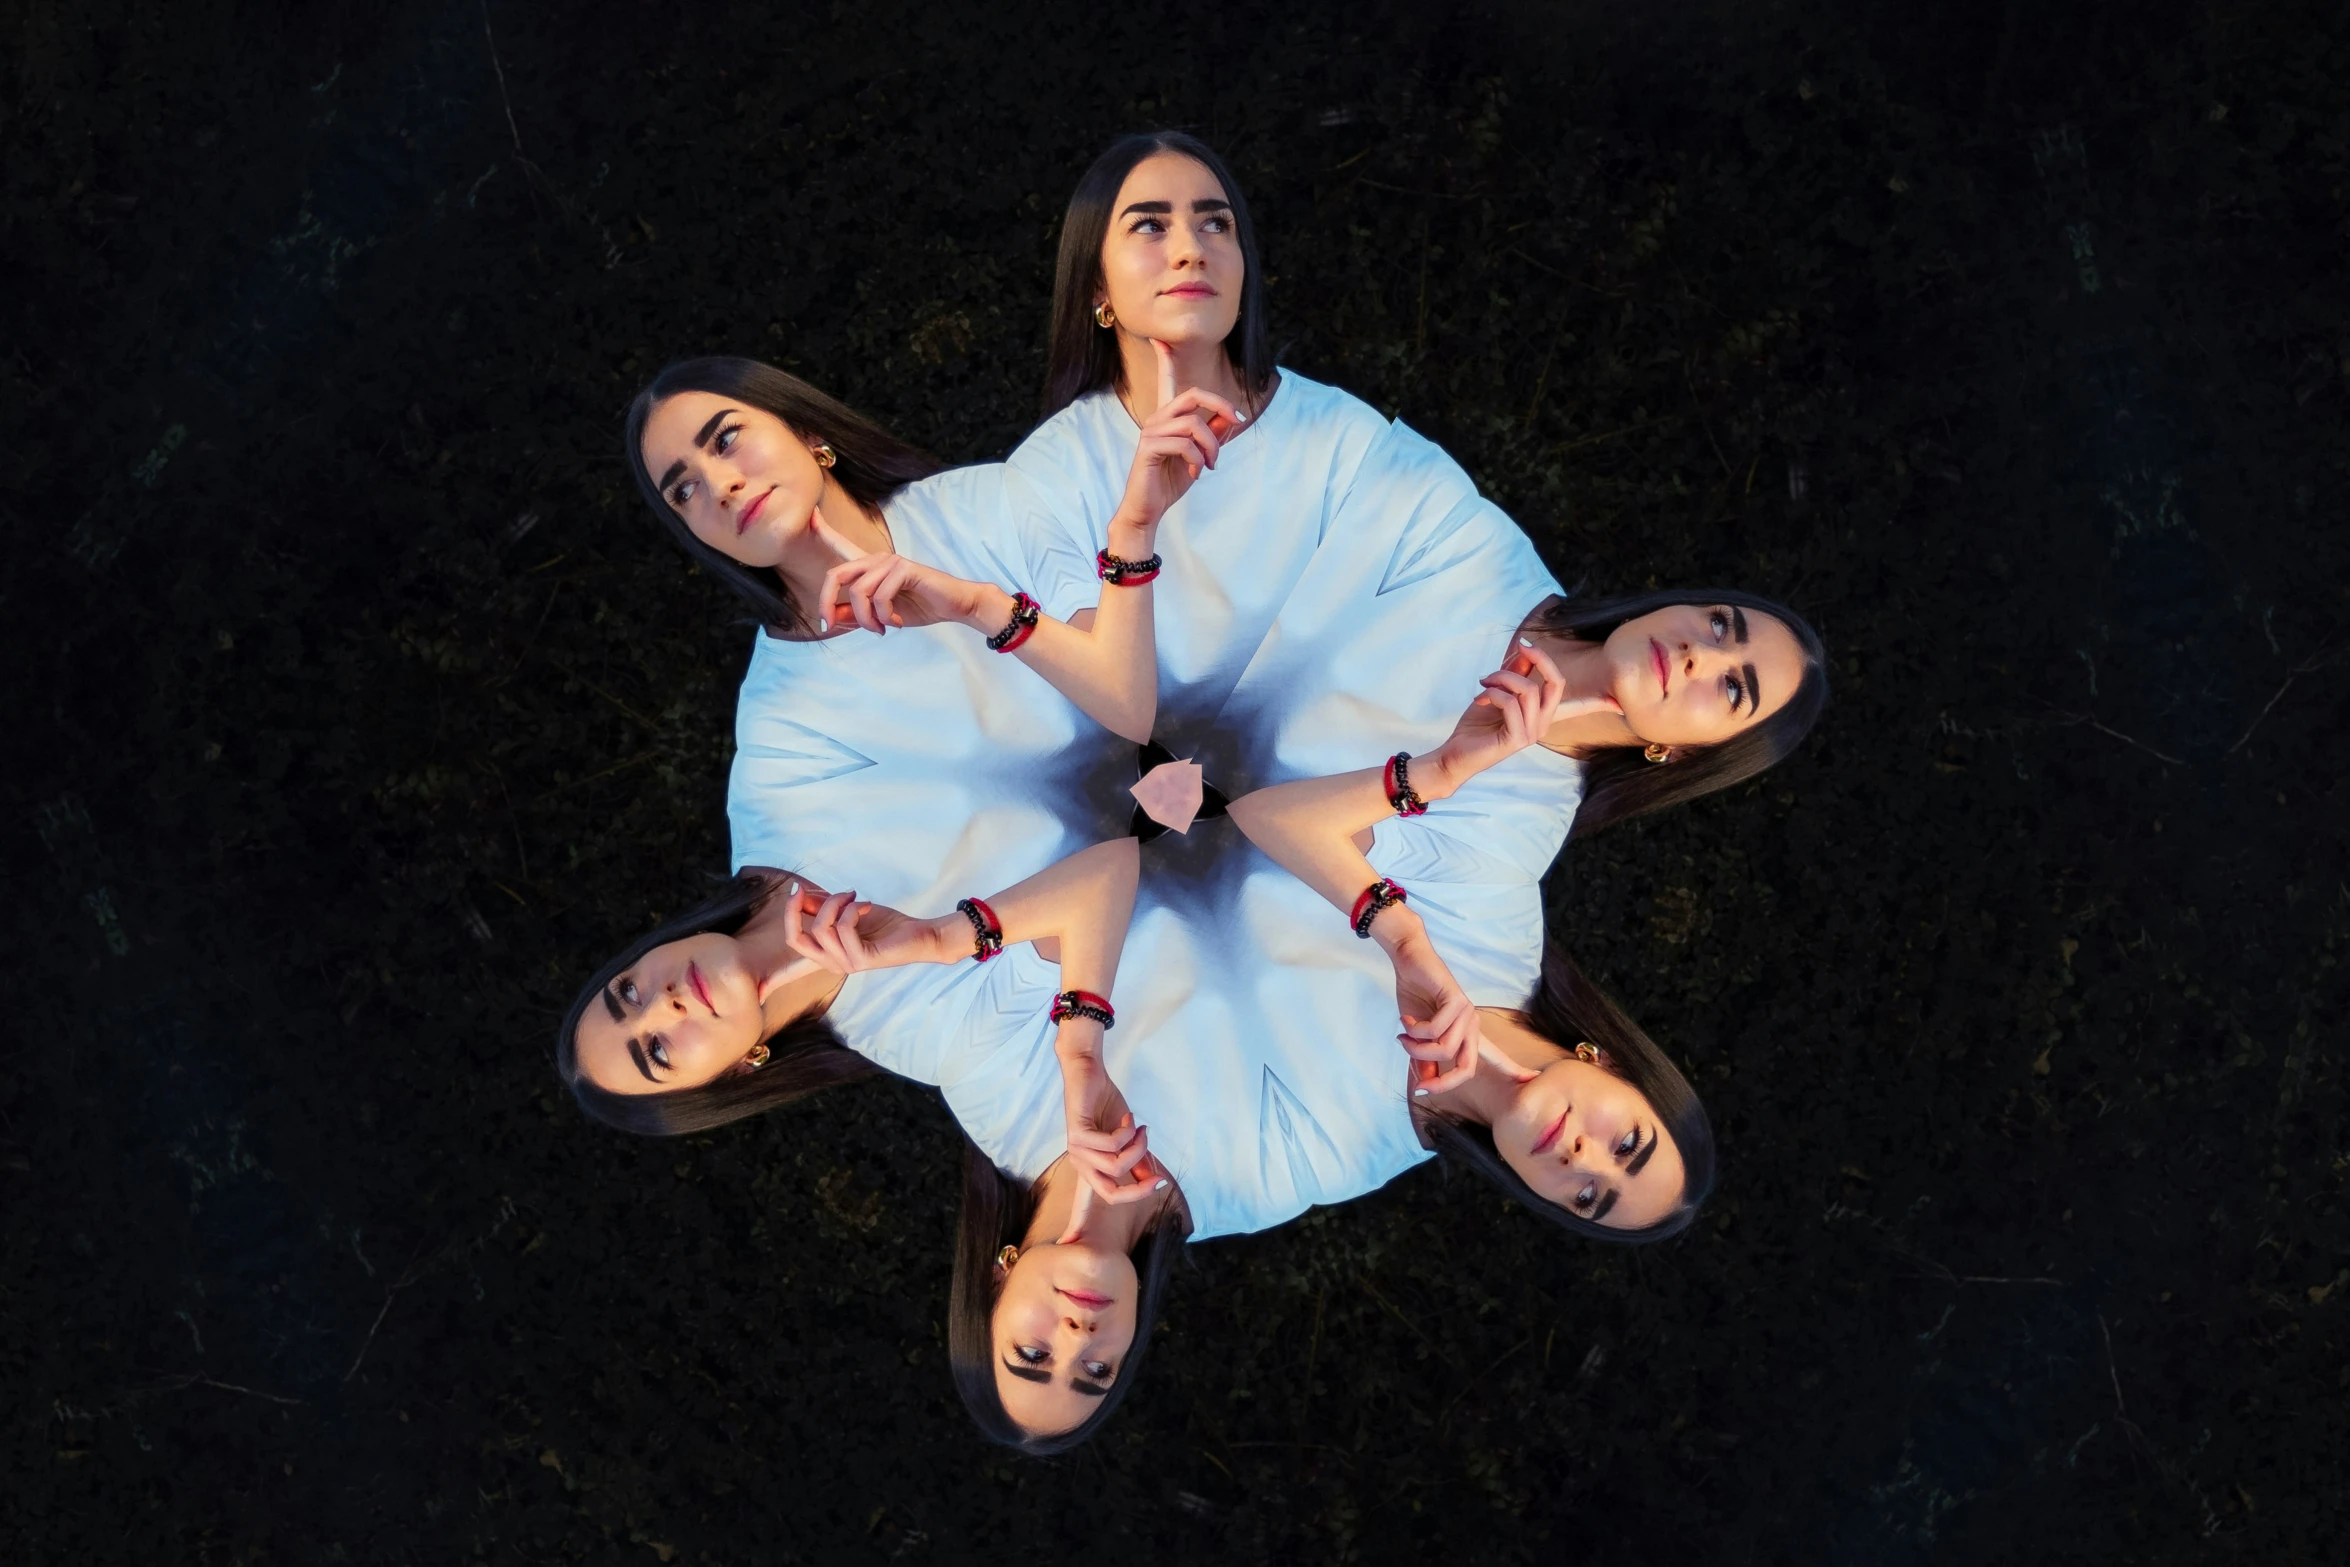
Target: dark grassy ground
{"type": "Point", "coordinates": [359, 711]}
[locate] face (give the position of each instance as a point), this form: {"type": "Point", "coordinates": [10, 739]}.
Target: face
{"type": "Point", "coordinates": [744, 481]}
{"type": "Point", "coordinates": [682, 1015]}
{"type": "Point", "coordinates": [1063, 1324]}
{"type": "Point", "coordinates": [1171, 263]}
{"type": "Point", "coordinates": [1698, 674]}
{"type": "Point", "coordinates": [1588, 1141]}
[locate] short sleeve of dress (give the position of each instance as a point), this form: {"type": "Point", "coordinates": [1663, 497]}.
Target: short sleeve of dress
{"type": "Point", "coordinates": [1048, 519]}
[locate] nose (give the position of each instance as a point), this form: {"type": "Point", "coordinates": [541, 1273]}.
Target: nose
{"type": "Point", "coordinates": [1698, 659]}
{"type": "Point", "coordinates": [1184, 248]}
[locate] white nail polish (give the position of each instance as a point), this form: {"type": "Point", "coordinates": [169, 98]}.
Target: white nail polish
{"type": "Point", "coordinates": [1162, 1186]}
{"type": "Point", "coordinates": [1525, 641]}
{"type": "Point", "coordinates": [792, 891]}
{"type": "Point", "coordinates": [1419, 1093]}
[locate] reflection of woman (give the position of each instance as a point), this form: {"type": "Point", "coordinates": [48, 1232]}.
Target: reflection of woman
{"type": "Point", "coordinates": [923, 754]}
{"type": "Point", "coordinates": [1157, 247]}
{"type": "Point", "coordinates": [776, 989]}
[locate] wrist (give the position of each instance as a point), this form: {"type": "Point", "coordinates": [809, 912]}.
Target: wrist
{"type": "Point", "coordinates": [1130, 535]}
{"type": "Point", "coordinates": [946, 938]}
{"type": "Point", "coordinates": [1444, 772]}
{"type": "Point", "coordinates": [1399, 932]}
{"type": "Point", "coordinates": [991, 609]}
{"type": "Point", "coordinates": [1078, 1039]}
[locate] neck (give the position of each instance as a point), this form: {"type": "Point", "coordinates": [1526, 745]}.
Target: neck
{"type": "Point", "coordinates": [790, 986]}
{"type": "Point", "coordinates": [1107, 1227]}
{"type": "Point", "coordinates": [1511, 1056]}
{"type": "Point", "coordinates": [811, 553]}
{"type": "Point", "coordinates": [1585, 667]}
{"type": "Point", "coordinates": [1196, 364]}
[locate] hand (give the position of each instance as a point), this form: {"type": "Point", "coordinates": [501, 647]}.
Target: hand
{"type": "Point", "coordinates": [1181, 438]}
{"type": "Point", "coordinates": [1440, 1034]}
{"type": "Point", "coordinates": [842, 936]}
{"type": "Point", "coordinates": [1109, 1152]}
{"type": "Point", "coordinates": [1519, 703]}
{"type": "Point", "coordinates": [872, 589]}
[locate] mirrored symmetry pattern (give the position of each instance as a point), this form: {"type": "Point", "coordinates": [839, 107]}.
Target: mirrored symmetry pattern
{"type": "Point", "coordinates": [1174, 796]}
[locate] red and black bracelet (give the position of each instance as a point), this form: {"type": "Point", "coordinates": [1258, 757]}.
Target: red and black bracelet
{"type": "Point", "coordinates": [1083, 1003]}
{"type": "Point", "coordinates": [1124, 573]}
{"type": "Point", "coordinates": [1019, 628]}
{"type": "Point", "coordinates": [987, 932]}
{"type": "Point", "coordinates": [1381, 894]}
{"type": "Point", "coordinates": [1397, 779]}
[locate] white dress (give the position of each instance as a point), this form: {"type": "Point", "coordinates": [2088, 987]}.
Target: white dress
{"type": "Point", "coordinates": [1234, 546]}
{"type": "Point", "coordinates": [919, 767]}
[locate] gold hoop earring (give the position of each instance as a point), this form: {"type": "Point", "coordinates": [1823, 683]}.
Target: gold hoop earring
{"type": "Point", "coordinates": [1102, 316]}
{"type": "Point", "coordinates": [1005, 1258]}
{"type": "Point", "coordinates": [757, 1058]}
{"type": "Point", "coordinates": [825, 455]}
{"type": "Point", "coordinates": [1587, 1052]}
{"type": "Point", "coordinates": [1658, 753]}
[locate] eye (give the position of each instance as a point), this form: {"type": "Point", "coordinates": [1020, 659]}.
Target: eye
{"type": "Point", "coordinates": [1099, 1370]}
{"type": "Point", "coordinates": [1628, 1144]}
{"type": "Point", "coordinates": [627, 990]}
{"type": "Point", "coordinates": [1032, 1354]}
{"type": "Point", "coordinates": [725, 440]}
{"type": "Point", "coordinates": [1719, 621]}
{"type": "Point", "coordinates": [1737, 691]}
{"type": "Point", "coordinates": [682, 494]}
{"type": "Point", "coordinates": [1587, 1196]}
{"type": "Point", "coordinates": [660, 1053]}
{"type": "Point", "coordinates": [1147, 224]}
{"type": "Point", "coordinates": [1217, 225]}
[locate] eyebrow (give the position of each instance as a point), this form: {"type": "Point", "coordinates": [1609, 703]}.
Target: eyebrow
{"type": "Point", "coordinates": [702, 439]}
{"type": "Point", "coordinates": [1027, 1373]}
{"type": "Point", "coordinates": [1605, 1203]}
{"type": "Point", "coordinates": [612, 1005]}
{"type": "Point", "coordinates": [1203, 204]}
{"type": "Point", "coordinates": [636, 1053]}
{"type": "Point", "coordinates": [1753, 689]}
{"type": "Point", "coordinates": [1640, 1159]}
{"type": "Point", "coordinates": [1738, 624]}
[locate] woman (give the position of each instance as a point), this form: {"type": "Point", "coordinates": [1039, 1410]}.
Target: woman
{"type": "Point", "coordinates": [776, 989]}
{"type": "Point", "coordinates": [1570, 1103]}
{"type": "Point", "coordinates": [1157, 247]}
{"type": "Point", "coordinates": [904, 761]}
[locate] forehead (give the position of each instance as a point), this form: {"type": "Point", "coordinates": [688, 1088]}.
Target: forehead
{"type": "Point", "coordinates": [602, 1048]}
{"type": "Point", "coordinates": [1170, 176]}
{"type": "Point", "coordinates": [1778, 658]}
{"type": "Point", "coordinates": [1654, 1192]}
{"type": "Point", "coordinates": [675, 420]}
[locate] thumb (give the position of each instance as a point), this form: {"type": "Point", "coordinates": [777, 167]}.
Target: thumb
{"type": "Point", "coordinates": [1166, 371]}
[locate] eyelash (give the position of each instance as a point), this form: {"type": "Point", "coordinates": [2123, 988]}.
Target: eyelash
{"type": "Point", "coordinates": [1033, 1355]}
{"type": "Point", "coordinates": [1159, 225]}
{"type": "Point", "coordinates": [1735, 686]}
{"type": "Point", "coordinates": [722, 443]}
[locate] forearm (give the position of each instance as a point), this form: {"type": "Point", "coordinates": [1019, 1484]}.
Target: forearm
{"type": "Point", "coordinates": [1309, 826]}
{"type": "Point", "coordinates": [1108, 670]}
{"type": "Point", "coordinates": [1083, 903]}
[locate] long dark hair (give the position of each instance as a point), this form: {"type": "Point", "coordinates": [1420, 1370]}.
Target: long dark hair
{"type": "Point", "coordinates": [1619, 783]}
{"type": "Point", "coordinates": [1567, 1010]}
{"type": "Point", "coordinates": [1082, 357]}
{"type": "Point", "coordinates": [869, 463]}
{"type": "Point", "coordinates": [805, 1055]}
{"type": "Point", "coordinates": [996, 1212]}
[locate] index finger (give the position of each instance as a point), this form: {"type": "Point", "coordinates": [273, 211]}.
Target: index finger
{"type": "Point", "coordinates": [1166, 372]}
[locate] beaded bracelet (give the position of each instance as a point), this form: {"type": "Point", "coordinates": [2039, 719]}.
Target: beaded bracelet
{"type": "Point", "coordinates": [1083, 1003]}
{"type": "Point", "coordinates": [987, 932]}
{"type": "Point", "coordinates": [1124, 573]}
{"type": "Point", "coordinates": [1019, 628]}
{"type": "Point", "coordinates": [1381, 894]}
{"type": "Point", "coordinates": [1397, 777]}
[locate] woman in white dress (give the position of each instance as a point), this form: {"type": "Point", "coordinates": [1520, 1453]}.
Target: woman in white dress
{"type": "Point", "coordinates": [777, 989]}
{"type": "Point", "coordinates": [919, 758]}
{"type": "Point", "coordinates": [1157, 248]}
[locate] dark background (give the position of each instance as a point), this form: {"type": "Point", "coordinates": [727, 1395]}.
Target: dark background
{"type": "Point", "coordinates": [357, 710]}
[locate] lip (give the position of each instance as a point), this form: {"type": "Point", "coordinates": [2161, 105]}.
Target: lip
{"type": "Point", "coordinates": [1189, 291]}
{"type": "Point", "coordinates": [1542, 1143]}
{"type": "Point", "coordinates": [1664, 676]}
{"type": "Point", "coordinates": [1086, 1298]}
{"type": "Point", "coordinates": [693, 977]}
{"type": "Point", "coordinates": [750, 513]}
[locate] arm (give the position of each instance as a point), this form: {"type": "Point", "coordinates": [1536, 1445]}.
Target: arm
{"type": "Point", "coordinates": [1104, 660]}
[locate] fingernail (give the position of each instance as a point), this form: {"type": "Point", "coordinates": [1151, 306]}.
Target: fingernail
{"type": "Point", "coordinates": [792, 891]}
{"type": "Point", "coordinates": [1419, 1093]}
{"type": "Point", "coordinates": [1162, 1186]}
{"type": "Point", "coordinates": [822, 624]}
{"type": "Point", "coordinates": [1525, 641]}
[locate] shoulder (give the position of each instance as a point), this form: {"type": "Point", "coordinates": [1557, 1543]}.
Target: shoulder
{"type": "Point", "coordinates": [1317, 405]}
{"type": "Point", "coordinates": [1078, 432]}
